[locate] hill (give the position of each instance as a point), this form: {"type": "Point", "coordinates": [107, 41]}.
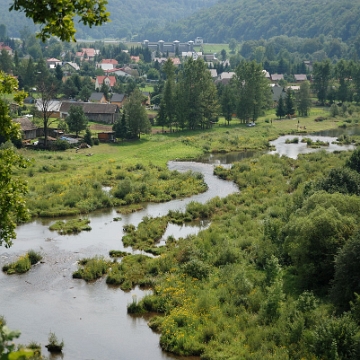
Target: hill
{"type": "Point", "coordinates": [255, 19]}
{"type": "Point", "coordinates": [127, 17]}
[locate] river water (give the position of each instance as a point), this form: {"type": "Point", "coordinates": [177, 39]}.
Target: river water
{"type": "Point", "coordinates": [91, 318]}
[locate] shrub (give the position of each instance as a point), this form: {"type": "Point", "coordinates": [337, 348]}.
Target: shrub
{"type": "Point", "coordinates": [93, 269]}
{"type": "Point", "coordinates": [34, 257]}
{"type": "Point", "coordinates": [54, 344]}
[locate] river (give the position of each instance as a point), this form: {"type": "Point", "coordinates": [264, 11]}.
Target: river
{"type": "Point", "coordinates": [91, 318]}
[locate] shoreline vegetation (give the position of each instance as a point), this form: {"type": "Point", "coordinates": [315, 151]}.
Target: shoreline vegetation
{"type": "Point", "coordinates": [126, 174]}
{"type": "Point", "coordinates": [268, 279]}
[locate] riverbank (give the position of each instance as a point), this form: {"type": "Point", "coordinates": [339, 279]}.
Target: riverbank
{"type": "Point", "coordinates": [72, 183]}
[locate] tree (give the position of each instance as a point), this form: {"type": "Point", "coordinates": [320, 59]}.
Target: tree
{"type": "Point", "coordinates": [12, 204]}
{"type": "Point", "coordinates": [85, 94]}
{"type": "Point", "coordinates": [58, 73]}
{"type": "Point", "coordinates": [136, 116]}
{"type": "Point", "coordinates": [47, 90]}
{"type": "Point", "coordinates": [223, 54]}
{"type": "Point", "coordinates": [120, 127]}
{"type": "Point", "coordinates": [57, 18]}
{"type": "Point", "coordinates": [232, 45]}
{"type": "Point", "coordinates": [321, 77]}
{"type": "Point", "coordinates": [6, 64]}
{"type": "Point", "coordinates": [289, 102]}
{"type": "Point", "coordinates": [228, 106]}
{"type": "Point", "coordinates": [342, 72]}
{"type": "Point", "coordinates": [280, 110]}
{"type": "Point", "coordinates": [168, 98]}
{"type": "Point", "coordinates": [76, 120]}
{"type": "Point", "coordinates": [252, 89]}
{"type": "Point", "coordinates": [347, 274]}
{"type": "Point", "coordinates": [303, 99]}
{"type": "Point", "coordinates": [88, 137]}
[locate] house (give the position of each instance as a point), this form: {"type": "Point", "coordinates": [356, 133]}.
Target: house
{"type": "Point", "coordinates": [194, 54]}
{"type": "Point", "coordinates": [87, 54]}
{"type": "Point", "coordinates": [107, 136]}
{"type": "Point", "coordinates": [69, 68]}
{"type": "Point", "coordinates": [277, 77]}
{"type": "Point", "coordinates": [300, 77]}
{"type": "Point", "coordinates": [118, 72]}
{"type": "Point", "coordinates": [118, 99]}
{"type": "Point", "coordinates": [52, 63]}
{"type": "Point", "coordinates": [28, 129]}
{"type": "Point", "coordinates": [213, 73]}
{"type": "Point", "coordinates": [309, 65]}
{"type": "Point", "coordinates": [106, 113]}
{"type": "Point", "coordinates": [6, 48]}
{"type": "Point", "coordinates": [98, 97]}
{"type": "Point", "coordinates": [266, 74]}
{"type": "Point", "coordinates": [225, 77]}
{"type": "Point", "coordinates": [199, 41]}
{"type": "Point", "coordinates": [277, 92]}
{"type": "Point", "coordinates": [176, 61]}
{"type": "Point", "coordinates": [293, 87]}
{"type": "Point", "coordinates": [109, 81]}
{"type": "Point", "coordinates": [209, 57]}
{"type": "Point", "coordinates": [107, 64]}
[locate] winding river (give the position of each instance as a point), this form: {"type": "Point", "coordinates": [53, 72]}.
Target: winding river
{"type": "Point", "coordinates": [91, 318]}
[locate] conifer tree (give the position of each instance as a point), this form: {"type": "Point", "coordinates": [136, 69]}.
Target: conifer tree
{"type": "Point", "coordinates": [280, 110]}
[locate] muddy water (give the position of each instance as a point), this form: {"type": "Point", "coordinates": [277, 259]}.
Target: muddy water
{"type": "Point", "coordinates": [90, 318]}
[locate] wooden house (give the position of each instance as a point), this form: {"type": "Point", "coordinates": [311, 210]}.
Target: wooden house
{"type": "Point", "coordinates": [28, 129]}
{"type": "Point", "coordinates": [107, 136]}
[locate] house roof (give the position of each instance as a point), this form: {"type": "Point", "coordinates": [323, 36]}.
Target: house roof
{"type": "Point", "coordinates": [96, 96]}
{"type": "Point", "coordinates": [53, 60]}
{"type": "Point", "coordinates": [213, 73]}
{"type": "Point", "coordinates": [25, 124]}
{"type": "Point", "coordinates": [226, 75]}
{"type": "Point", "coordinates": [117, 97]}
{"type": "Point", "coordinates": [176, 61]}
{"type": "Point", "coordinates": [5, 47]}
{"type": "Point", "coordinates": [72, 64]}
{"type": "Point", "coordinates": [277, 91]}
{"type": "Point", "coordinates": [100, 80]}
{"type": "Point", "coordinates": [277, 77]}
{"type": "Point", "coordinates": [90, 108]}
{"type": "Point", "coordinates": [300, 77]}
{"type": "Point", "coordinates": [109, 61]}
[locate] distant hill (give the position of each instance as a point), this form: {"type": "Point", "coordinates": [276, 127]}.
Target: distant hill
{"type": "Point", "coordinates": [255, 19]}
{"type": "Point", "coordinates": [128, 16]}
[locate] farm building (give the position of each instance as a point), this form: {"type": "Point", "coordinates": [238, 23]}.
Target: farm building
{"type": "Point", "coordinates": [107, 136]}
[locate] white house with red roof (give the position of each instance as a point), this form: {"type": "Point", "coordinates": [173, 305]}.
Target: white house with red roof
{"type": "Point", "coordinates": [110, 81]}
{"type": "Point", "coordinates": [107, 64]}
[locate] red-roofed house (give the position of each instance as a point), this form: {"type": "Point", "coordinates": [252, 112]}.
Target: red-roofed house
{"type": "Point", "coordinates": [110, 81]}
{"type": "Point", "coordinates": [176, 61]}
{"type": "Point", "coordinates": [5, 47]}
{"type": "Point", "coordinates": [107, 64]}
{"type": "Point", "coordinates": [87, 54]}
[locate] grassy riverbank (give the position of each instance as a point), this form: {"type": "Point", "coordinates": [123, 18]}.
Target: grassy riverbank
{"type": "Point", "coordinates": [72, 183]}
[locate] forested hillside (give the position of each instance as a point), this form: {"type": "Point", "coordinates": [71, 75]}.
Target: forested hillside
{"type": "Point", "coordinates": [127, 16]}
{"type": "Point", "coordinates": [255, 19]}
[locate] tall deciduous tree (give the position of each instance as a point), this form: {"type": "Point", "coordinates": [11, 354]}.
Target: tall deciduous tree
{"type": "Point", "coordinates": [169, 93]}
{"type": "Point", "coordinates": [136, 116]}
{"type": "Point", "coordinates": [303, 99]}
{"type": "Point", "coordinates": [76, 120]}
{"type": "Point", "coordinates": [252, 90]}
{"type": "Point", "coordinates": [228, 107]}
{"type": "Point", "coordinates": [321, 78]}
